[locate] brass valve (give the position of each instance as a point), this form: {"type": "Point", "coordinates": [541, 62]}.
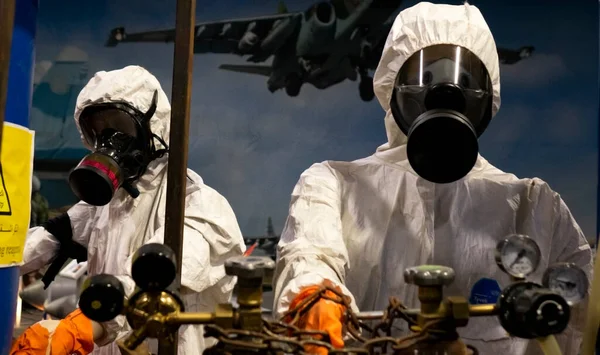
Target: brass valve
{"type": "Point", "coordinates": [156, 311]}
{"type": "Point", "coordinates": [431, 280]}
{"type": "Point", "coordinates": [525, 309]}
{"type": "Point", "coordinates": [251, 273]}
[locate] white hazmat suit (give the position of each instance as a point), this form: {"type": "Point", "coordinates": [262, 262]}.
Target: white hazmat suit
{"type": "Point", "coordinates": [112, 233]}
{"type": "Point", "coordinates": [359, 224]}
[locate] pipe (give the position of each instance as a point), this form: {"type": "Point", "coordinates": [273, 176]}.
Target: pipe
{"type": "Point", "coordinates": [180, 126]}
{"type": "Point", "coordinates": [475, 310]}
{"type": "Point", "coordinates": [17, 50]}
{"type": "Point", "coordinates": [178, 141]}
{"type": "Point", "coordinates": [7, 17]}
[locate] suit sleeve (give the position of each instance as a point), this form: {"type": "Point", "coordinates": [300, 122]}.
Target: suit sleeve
{"type": "Point", "coordinates": [41, 246]}
{"type": "Point", "coordinates": [311, 248]}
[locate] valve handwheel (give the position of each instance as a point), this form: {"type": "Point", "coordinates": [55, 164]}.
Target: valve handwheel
{"type": "Point", "coordinates": [249, 267]}
{"type": "Point", "coordinates": [102, 298]}
{"type": "Point", "coordinates": [429, 275]}
{"type": "Point", "coordinates": [153, 267]}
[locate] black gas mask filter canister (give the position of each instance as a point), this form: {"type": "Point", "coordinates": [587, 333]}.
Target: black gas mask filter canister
{"type": "Point", "coordinates": [442, 102]}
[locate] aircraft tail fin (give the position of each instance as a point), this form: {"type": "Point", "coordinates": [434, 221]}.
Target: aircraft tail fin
{"type": "Point", "coordinates": [116, 36]}
{"type": "Point", "coordinates": [525, 52]}
{"type": "Point", "coordinates": [281, 8]}
{"type": "Point", "coordinates": [270, 229]}
{"type": "Point", "coordinates": [263, 70]}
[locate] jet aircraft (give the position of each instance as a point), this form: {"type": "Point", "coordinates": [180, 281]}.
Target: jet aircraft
{"type": "Point", "coordinates": [330, 42]}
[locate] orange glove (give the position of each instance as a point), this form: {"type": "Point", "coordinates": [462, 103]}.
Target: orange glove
{"type": "Point", "coordinates": [72, 335]}
{"type": "Point", "coordinates": [324, 315]}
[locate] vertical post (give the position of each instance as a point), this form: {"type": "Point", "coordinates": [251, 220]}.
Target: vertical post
{"type": "Point", "coordinates": [598, 177]}
{"type": "Point", "coordinates": [178, 140]}
{"type": "Point", "coordinates": [17, 50]}
{"type": "Point", "coordinates": [598, 198]}
{"type": "Point", "coordinates": [7, 18]}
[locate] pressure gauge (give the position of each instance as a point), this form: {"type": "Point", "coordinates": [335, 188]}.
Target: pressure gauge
{"type": "Point", "coordinates": [518, 255]}
{"type": "Point", "coordinates": [567, 280]}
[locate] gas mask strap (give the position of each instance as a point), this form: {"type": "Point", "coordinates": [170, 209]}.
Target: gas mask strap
{"type": "Point", "coordinates": [152, 109]}
{"type": "Point", "coordinates": [159, 153]}
{"type": "Point", "coordinates": [147, 116]}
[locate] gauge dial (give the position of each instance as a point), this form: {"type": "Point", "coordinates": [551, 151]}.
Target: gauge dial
{"type": "Point", "coordinates": [518, 255]}
{"type": "Point", "coordinates": [567, 280]}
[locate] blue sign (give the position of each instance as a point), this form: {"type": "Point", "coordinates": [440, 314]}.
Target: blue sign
{"type": "Point", "coordinates": [485, 291]}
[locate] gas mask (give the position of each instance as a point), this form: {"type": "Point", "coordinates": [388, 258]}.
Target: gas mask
{"type": "Point", "coordinates": [442, 101]}
{"type": "Point", "coordinates": [123, 147]}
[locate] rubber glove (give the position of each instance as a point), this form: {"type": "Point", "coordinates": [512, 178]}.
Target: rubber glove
{"type": "Point", "coordinates": [324, 315]}
{"type": "Point", "coordinates": [72, 335]}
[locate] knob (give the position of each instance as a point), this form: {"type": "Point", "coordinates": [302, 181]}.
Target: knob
{"type": "Point", "coordinates": [429, 275]}
{"type": "Point", "coordinates": [102, 297]}
{"type": "Point", "coordinates": [250, 267]}
{"type": "Point", "coordinates": [154, 267]}
{"type": "Point", "coordinates": [527, 310]}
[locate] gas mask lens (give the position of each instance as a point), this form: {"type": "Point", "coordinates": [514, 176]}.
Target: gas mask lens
{"type": "Point", "coordinates": [104, 122]}
{"type": "Point", "coordinates": [442, 101]}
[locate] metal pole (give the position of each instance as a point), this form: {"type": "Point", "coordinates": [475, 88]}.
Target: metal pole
{"type": "Point", "coordinates": [8, 276]}
{"type": "Point", "coordinates": [7, 19]}
{"type": "Point", "coordinates": [17, 51]}
{"type": "Point", "coordinates": [178, 140]}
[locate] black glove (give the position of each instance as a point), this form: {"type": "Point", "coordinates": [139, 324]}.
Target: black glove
{"type": "Point", "coordinates": [60, 228]}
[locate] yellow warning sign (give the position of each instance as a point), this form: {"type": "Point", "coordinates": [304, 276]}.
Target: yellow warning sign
{"type": "Point", "coordinates": [16, 169]}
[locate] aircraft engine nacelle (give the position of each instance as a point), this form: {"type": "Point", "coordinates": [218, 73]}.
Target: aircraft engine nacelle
{"type": "Point", "coordinates": [318, 30]}
{"type": "Point", "coordinates": [281, 30]}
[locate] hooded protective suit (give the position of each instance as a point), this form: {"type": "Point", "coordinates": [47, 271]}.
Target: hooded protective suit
{"type": "Point", "coordinates": [112, 233]}
{"type": "Point", "coordinates": [359, 224]}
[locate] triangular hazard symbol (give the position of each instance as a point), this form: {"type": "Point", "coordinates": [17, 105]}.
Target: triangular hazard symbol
{"type": "Point", "coordinates": [5, 209]}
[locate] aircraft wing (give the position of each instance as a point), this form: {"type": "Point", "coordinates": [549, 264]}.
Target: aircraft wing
{"type": "Point", "coordinates": [263, 70]}
{"type": "Point", "coordinates": [377, 39]}
{"type": "Point", "coordinates": [262, 237]}
{"type": "Point", "coordinates": [211, 37]}
{"type": "Point", "coordinates": [505, 56]}
{"type": "Point", "coordinates": [512, 56]}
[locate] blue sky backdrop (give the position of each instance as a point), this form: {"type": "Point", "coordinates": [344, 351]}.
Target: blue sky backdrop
{"type": "Point", "coordinates": [252, 145]}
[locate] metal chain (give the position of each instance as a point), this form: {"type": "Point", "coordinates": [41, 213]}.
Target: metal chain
{"type": "Point", "coordinates": [285, 336]}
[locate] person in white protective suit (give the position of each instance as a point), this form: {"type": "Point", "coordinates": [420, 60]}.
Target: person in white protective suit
{"type": "Point", "coordinates": [426, 196]}
{"type": "Point", "coordinates": [124, 115]}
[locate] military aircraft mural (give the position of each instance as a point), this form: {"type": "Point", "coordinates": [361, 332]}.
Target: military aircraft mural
{"type": "Point", "coordinates": [330, 42]}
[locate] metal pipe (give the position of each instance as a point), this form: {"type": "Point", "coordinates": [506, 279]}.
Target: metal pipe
{"type": "Point", "coordinates": [483, 310]}
{"type": "Point", "coordinates": [9, 276]}
{"type": "Point", "coordinates": [7, 19]}
{"type": "Point", "coordinates": [475, 310]}
{"type": "Point", "coordinates": [371, 315]}
{"type": "Point", "coordinates": [191, 318]}
{"type": "Point", "coordinates": [178, 140]}
{"type": "Point", "coordinates": [377, 315]}
{"type": "Point", "coordinates": [17, 50]}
